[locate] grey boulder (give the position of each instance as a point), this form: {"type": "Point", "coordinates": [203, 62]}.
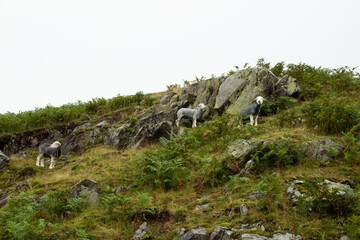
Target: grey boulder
{"type": "Point", "coordinates": [4, 160]}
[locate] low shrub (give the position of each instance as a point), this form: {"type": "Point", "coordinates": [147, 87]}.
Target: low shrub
{"type": "Point", "coordinates": [236, 180]}
{"type": "Point", "coordinates": [115, 206]}
{"type": "Point", "coordinates": [352, 142]}
{"type": "Point", "coordinates": [29, 217]}
{"type": "Point", "coordinates": [274, 107]}
{"type": "Point", "coordinates": [331, 114]}
{"type": "Point", "coordinates": [95, 106]}
{"type": "Point", "coordinates": [281, 154]}
{"type": "Point", "coordinates": [49, 115]}
{"type": "Point", "coordinates": [119, 207]}
{"type": "Point", "coordinates": [148, 101]}
{"type": "Point", "coordinates": [19, 219]}
{"type": "Point", "coordinates": [273, 192]}
{"type": "Point", "coordinates": [214, 172]}
{"type": "Point", "coordinates": [167, 167]}
{"type": "Point", "coordinates": [352, 226]}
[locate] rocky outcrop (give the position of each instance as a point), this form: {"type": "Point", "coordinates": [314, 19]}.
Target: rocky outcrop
{"type": "Point", "coordinates": [73, 143]}
{"type": "Point", "coordinates": [4, 160]}
{"type": "Point", "coordinates": [295, 189]}
{"type": "Point", "coordinates": [240, 149]}
{"type": "Point", "coordinates": [323, 150]}
{"type": "Point", "coordinates": [248, 168]}
{"type": "Point", "coordinates": [141, 232]}
{"type": "Point", "coordinates": [235, 92]}
{"type": "Point", "coordinates": [195, 234]}
{"type": "Point", "coordinates": [201, 92]}
{"type": "Point", "coordinates": [14, 143]}
{"type": "Point", "coordinates": [88, 189]}
{"type": "Point", "coordinates": [287, 86]}
{"type": "Point", "coordinates": [239, 89]}
{"type": "Point", "coordinates": [224, 94]}
{"type": "Point", "coordinates": [332, 186]}
{"type": "Point", "coordinates": [167, 98]}
{"type": "Point", "coordinates": [277, 236]}
{"type": "Point", "coordinates": [147, 128]}
{"type": "Point", "coordinates": [223, 233]}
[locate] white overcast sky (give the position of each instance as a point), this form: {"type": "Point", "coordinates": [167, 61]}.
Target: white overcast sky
{"type": "Point", "coordinates": [62, 51]}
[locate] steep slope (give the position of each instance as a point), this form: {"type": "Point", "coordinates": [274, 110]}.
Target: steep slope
{"type": "Point", "coordinates": [293, 175]}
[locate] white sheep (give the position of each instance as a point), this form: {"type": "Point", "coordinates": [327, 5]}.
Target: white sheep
{"type": "Point", "coordinates": [253, 110]}
{"type": "Point", "coordinates": [194, 114]}
{"type": "Point", "coordinates": [48, 150]}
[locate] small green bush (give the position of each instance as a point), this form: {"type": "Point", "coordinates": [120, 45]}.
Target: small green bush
{"type": "Point", "coordinates": [19, 219]}
{"type": "Point", "coordinates": [214, 173]}
{"type": "Point", "coordinates": [273, 192]}
{"type": "Point", "coordinates": [352, 226]}
{"type": "Point", "coordinates": [167, 167]}
{"type": "Point", "coordinates": [271, 108]}
{"type": "Point", "coordinates": [331, 114]}
{"type": "Point", "coordinates": [120, 207]}
{"type": "Point", "coordinates": [352, 142]}
{"type": "Point", "coordinates": [278, 69]}
{"type": "Point", "coordinates": [172, 86]}
{"type": "Point", "coordinates": [26, 216]}
{"type": "Point", "coordinates": [281, 154]}
{"type": "Point", "coordinates": [80, 234]}
{"type": "Point", "coordinates": [236, 180]}
{"type": "Point", "coordinates": [96, 105]}
{"type": "Point", "coordinates": [149, 101]}
{"type": "Point", "coordinates": [116, 206]}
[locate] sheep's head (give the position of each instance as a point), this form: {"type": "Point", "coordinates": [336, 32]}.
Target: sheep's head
{"type": "Point", "coordinates": [259, 100]}
{"type": "Point", "coordinates": [202, 106]}
{"type": "Point", "coordinates": [56, 144]}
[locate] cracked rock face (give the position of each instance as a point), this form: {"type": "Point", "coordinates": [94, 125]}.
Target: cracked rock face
{"type": "Point", "coordinates": [141, 232]}
{"type": "Point", "coordinates": [323, 150]}
{"type": "Point", "coordinates": [146, 129]}
{"type": "Point", "coordinates": [224, 233]}
{"type": "Point", "coordinates": [239, 89]}
{"type": "Point", "coordinates": [240, 149]}
{"type": "Point", "coordinates": [195, 234]}
{"type": "Point", "coordinates": [4, 160]}
{"type": "Point", "coordinates": [88, 186]}
{"type": "Point", "coordinates": [220, 95]}
{"type": "Point", "coordinates": [221, 233]}
{"type": "Point", "coordinates": [294, 192]}
{"type": "Point", "coordinates": [334, 186]}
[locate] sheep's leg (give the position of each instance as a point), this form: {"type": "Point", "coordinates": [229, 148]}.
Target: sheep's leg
{"type": "Point", "coordinates": [52, 163]}
{"type": "Point", "coordinates": [38, 160]}
{"type": "Point", "coordinates": [252, 120]}
{"type": "Point", "coordinates": [178, 121]}
{"type": "Point", "coordinates": [256, 120]}
{"type": "Point", "coordinates": [194, 123]}
{"type": "Point", "coordinates": [42, 160]}
{"type": "Point", "coordinates": [240, 120]}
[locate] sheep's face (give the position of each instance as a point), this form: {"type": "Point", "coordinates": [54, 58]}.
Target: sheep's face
{"type": "Point", "coordinates": [56, 144]}
{"type": "Point", "coordinates": [202, 106]}
{"type": "Point", "coordinates": [259, 100]}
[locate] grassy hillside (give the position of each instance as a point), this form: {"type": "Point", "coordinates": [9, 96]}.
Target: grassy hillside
{"type": "Point", "coordinates": [49, 116]}
{"type": "Point", "coordinates": [188, 181]}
